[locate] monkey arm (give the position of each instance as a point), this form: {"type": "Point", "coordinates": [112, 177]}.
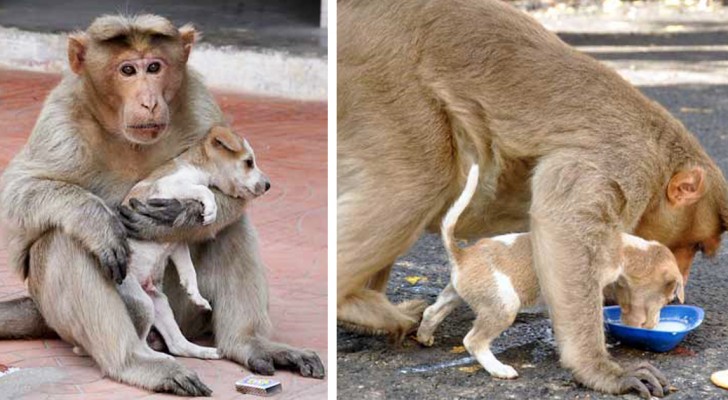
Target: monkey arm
{"type": "Point", "coordinates": [576, 212]}
{"type": "Point", "coordinates": [173, 220]}
{"type": "Point", "coordinates": [32, 205]}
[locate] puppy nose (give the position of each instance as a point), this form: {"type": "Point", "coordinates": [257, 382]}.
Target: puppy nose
{"type": "Point", "coordinates": [267, 186]}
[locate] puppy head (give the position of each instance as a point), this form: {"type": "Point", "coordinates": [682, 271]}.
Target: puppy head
{"type": "Point", "coordinates": [232, 163]}
{"type": "Point", "coordinates": [651, 279]}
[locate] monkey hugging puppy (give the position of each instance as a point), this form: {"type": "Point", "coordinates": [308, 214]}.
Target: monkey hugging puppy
{"type": "Point", "coordinates": [130, 105]}
{"type": "Point", "coordinates": [567, 148]}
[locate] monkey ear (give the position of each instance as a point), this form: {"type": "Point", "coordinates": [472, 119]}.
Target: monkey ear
{"type": "Point", "coordinates": [189, 36]}
{"type": "Point", "coordinates": [222, 137]}
{"type": "Point", "coordinates": [686, 187]}
{"type": "Point", "coordinates": [77, 43]}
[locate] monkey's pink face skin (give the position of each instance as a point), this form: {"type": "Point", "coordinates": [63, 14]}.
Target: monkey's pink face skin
{"type": "Point", "coordinates": [145, 85]}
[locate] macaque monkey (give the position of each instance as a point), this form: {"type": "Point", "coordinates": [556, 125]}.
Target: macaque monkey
{"type": "Point", "coordinates": [130, 105]}
{"type": "Point", "coordinates": [569, 150]}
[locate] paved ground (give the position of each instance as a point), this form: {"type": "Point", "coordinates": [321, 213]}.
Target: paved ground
{"type": "Point", "coordinates": [290, 142]}
{"type": "Point", "coordinates": [369, 368]}
{"type": "Point", "coordinates": [288, 25]}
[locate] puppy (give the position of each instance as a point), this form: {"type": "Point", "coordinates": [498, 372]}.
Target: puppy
{"type": "Point", "coordinates": [221, 160]}
{"type": "Point", "coordinates": [496, 278]}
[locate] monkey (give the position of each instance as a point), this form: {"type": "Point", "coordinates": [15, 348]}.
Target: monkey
{"type": "Point", "coordinates": [569, 151]}
{"type": "Point", "coordinates": [129, 104]}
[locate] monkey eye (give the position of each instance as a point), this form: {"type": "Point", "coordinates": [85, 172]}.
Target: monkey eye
{"type": "Point", "coordinates": [154, 67]}
{"type": "Point", "coordinates": [249, 163]}
{"type": "Point", "coordinates": [128, 70]}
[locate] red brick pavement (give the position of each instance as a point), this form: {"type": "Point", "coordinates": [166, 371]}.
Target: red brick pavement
{"type": "Point", "coordinates": [290, 142]}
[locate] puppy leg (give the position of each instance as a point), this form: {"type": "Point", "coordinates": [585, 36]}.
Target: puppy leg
{"type": "Point", "coordinates": [446, 302]}
{"type": "Point", "coordinates": [188, 276]}
{"type": "Point", "coordinates": [478, 340]}
{"type": "Point", "coordinates": [141, 309]}
{"type": "Point", "coordinates": [168, 328]}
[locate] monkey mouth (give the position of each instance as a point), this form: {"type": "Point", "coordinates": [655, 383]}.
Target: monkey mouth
{"type": "Point", "coordinates": [147, 127]}
{"type": "Point", "coordinates": [145, 133]}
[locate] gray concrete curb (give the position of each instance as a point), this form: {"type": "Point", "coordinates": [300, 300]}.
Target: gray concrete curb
{"type": "Point", "coordinates": [258, 72]}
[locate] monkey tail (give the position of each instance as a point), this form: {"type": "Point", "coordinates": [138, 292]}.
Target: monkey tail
{"type": "Point", "coordinates": [21, 319]}
{"type": "Point", "coordinates": [451, 218]}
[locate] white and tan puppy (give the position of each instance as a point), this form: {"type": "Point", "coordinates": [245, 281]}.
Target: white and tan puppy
{"type": "Point", "coordinates": [221, 160]}
{"type": "Point", "coordinates": [496, 278]}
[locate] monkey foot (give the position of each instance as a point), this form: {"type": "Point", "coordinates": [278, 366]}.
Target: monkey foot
{"type": "Point", "coordinates": [183, 382]}
{"type": "Point", "coordinates": [646, 380]}
{"type": "Point", "coordinates": [305, 362]}
{"type": "Point", "coordinates": [412, 310]}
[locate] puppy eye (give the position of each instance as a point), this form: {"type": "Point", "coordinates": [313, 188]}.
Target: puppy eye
{"type": "Point", "coordinates": [154, 67]}
{"type": "Point", "coordinates": [249, 163]}
{"type": "Point", "coordinates": [128, 70]}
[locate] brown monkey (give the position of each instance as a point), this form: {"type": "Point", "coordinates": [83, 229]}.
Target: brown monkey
{"type": "Point", "coordinates": [568, 150]}
{"type": "Point", "coordinates": [130, 105]}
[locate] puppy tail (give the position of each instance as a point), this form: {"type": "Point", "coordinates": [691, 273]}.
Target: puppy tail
{"type": "Point", "coordinates": [451, 218]}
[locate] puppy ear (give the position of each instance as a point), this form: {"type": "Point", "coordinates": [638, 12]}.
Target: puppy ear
{"type": "Point", "coordinates": [189, 36]}
{"type": "Point", "coordinates": [680, 291]}
{"type": "Point", "coordinates": [77, 43]}
{"type": "Point", "coordinates": [224, 138]}
{"type": "Point", "coordinates": [686, 187]}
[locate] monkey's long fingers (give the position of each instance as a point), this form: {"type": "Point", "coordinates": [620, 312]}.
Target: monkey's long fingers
{"type": "Point", "coordinates": [654, 371]}
{"type": "Point", "coordinates": [651, 382]}
{"type": "Point", "coordinates": [193, 386]}
{"type": "Point", "coordinates": [162, 211]}
{"type": "Point", "coordinates": [306, 362]}
{"type": "Point", "coordinates": [633, 383]}
{"type": "Point", "coordinates": [261, 365]}
{"type": "Point", "coordinates": [114, 262]}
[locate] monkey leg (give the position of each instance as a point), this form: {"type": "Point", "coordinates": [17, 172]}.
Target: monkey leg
{"type": "Point", "coordinates": [232, 276]}
{"type": "Point", "coordinates": [433, 316]}
{"type": "Point", "coordinates": [85, 309]}
{"type": "Point", "coordinates": [380, 280]}
{"type": "Point", "coordinates": [371, 235]}
{"type": "Point", "coordinates": [573, 216]}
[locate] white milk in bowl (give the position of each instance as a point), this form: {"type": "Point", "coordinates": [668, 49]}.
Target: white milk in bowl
{"type": "Point", "coordinates": [671, 326]}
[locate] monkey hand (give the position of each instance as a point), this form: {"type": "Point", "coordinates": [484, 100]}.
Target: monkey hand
{"type": "Point", "coordinates": [644, 379]}
{"type": "Point", "coordinates": [111, 248]}
{"type": "Point", "coordinates": [158, 218]}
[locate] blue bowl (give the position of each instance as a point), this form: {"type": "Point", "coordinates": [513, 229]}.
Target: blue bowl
{"type": "Point", "coordinates": [690, 317]}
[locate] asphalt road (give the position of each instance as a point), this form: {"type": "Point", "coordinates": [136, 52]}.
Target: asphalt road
{"type": "Point", "coordinates": [370, 368]}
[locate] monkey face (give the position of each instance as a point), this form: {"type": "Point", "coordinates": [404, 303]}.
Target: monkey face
{"type": "Point", "coordinates": [235, 171]}
{"type": "Point", "coordinates": [132, 72]}
{"type": "Point", "coordinates": [690, 226]}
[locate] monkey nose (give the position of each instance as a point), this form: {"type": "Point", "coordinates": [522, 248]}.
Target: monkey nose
{"type": "Point", "coordinates": [150, 105]}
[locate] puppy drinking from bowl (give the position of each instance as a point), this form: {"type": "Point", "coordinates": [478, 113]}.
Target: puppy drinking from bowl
{"type": "Point", "coordinates": [496, 278]}
{"type": "Point", "coordinates": [222, 160]}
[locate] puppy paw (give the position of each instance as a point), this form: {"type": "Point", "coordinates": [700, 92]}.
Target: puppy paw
{"type": "Point", "coordinates": [201, 302]}
{"type": "Point", "coordinates": [209, 214]}
{"type": "Point", "coordinates": [210, 353]}
{"type": "Point", "coordinates": [502, 371]}
{"type": "Point", "coordinates": [425, 339]}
